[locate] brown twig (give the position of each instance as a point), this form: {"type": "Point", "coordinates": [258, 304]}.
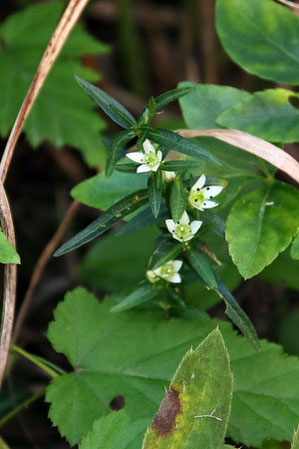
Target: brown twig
{"type": "Point", "coordinates": [254, 145]}
{"type": "Point", "coordinates": [293, 6]}
{"type": "Point", "coordinates": [41, 264]}
{"type": "Point", "coordinates": [10, 283]}
{"type": "Point", "coordinates": [63, 29]}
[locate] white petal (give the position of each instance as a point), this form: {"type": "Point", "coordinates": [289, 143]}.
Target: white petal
{"type": "Point", "coordinates": [160, 155]}
{"type": "Point", "coordinates": [199, 183]}
{"type": "Point", "coordinates": [197, 207]}
{"type": "Point", "coordinates": [177, 265]}
{"type": "Point", "coordinates": [195, 225]}
{"type": "Point", "coordinates": [184, 218]}
{"type": "Point", "coordinates": [211, 191]}
{"type": "Point", "coordinates": [155, 168]}
{"type": "Point", "coordinates": [170, 225]}
{"type": "Point", "coordinates": [176, 278]}
{"type": "Point", "coordinates": [189, 238]}
{"type": "Point", "coordinates": [157, 271]}
{"type": "Point", "coordinates": [143, 169]}
{"type": "Point", "coordinates": [180, 240]}
{"type": "Point", "coordinates": [209, 204]}
{"type": "Point", "coordinates": [148, 147]}
{"type": "Point", "coordinates": [136, 156]}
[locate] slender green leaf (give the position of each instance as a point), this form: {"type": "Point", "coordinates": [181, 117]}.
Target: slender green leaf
{"type": "Point", "coordinates": [113, 108]}
{"type": "Point", "coordinates": [260, 225]}
{"type": "Point", "coordinates": [267, 114]}
{"type": "Point", "coordinates": [144, 218]}
{"type": "Point", "coordinates": [261, 36]}
{"type": "Point", "coordinates": [165, 252]}
{"type": "Point", "coordinates": [105, 221]}
{"type": "Point", "coordinates": [178, 199]}
{"type": "Point", "coordinates": [194, 413]}
{"type": "Point", "coordinates": [200, 265]}
{"type": "Point", "coordinates": [116, 150]}
{"type": "Point", "coordinates": [139, 296]}
{"type": "Point", "coordinates": [295, 248]}
{"type": "Point", "coordinates": [154, 192]}
{"type": "Point", "coordinates": [168, 97]}
{"type": "Point", "coordinates": [125, 168]}
{"type": "Point", "coordinates": [8, 253]}
{"type": "Point", "coordinates": [295, 442]}
{"type": "Point", "coordinates": [172, 141]}
{"type": "Point", "coordinates": [181, 166]}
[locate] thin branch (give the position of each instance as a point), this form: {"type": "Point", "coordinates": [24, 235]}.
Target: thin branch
{"type": "Point", "coordinates": [21, 407]}
{"type": "Point", "coordinates": [291, 5]}
{"type": "Point", "coordinates": [10, 284]}
{"type": "Point", "coordinates": [63, 29]}
{"type": "Point", "coordinates": [41, 264]}
{"type": "Point", "coordinates": [254, 145]}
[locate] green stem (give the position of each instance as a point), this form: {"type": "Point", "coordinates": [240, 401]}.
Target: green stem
{"type": "Point", "coordinates": [18, 409]}
{"type": "Point", "coordinates": [37, 361]}
{"type": "Point", "coordinates": [3, 445]}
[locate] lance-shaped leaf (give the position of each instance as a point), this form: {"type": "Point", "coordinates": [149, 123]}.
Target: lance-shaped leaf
{"type": "Point", "coordinates": [181, 166]}
{"type": "Point", "coordinates": [115, 431]}
{"type": "Point", "coordinates": [8, 253]}
{"type": "Point", "coordinates": [295, 442]}
{"type": "Point", "coordinates": [172, 141]}
{"type": "Point", "coordinates": [117, 112]}
{"type": "Point", "coordinates": [105, 221]}
{"type": "Point", "coordinates": [164, 252]}
{"type": "Point", "coordinates": [178, 199]}
{"type": "Point", "coordinates": [137, 297]}
{"type": "Point", "coordinates": [144, 218]}
{"type": "Point", "coordinates": [154, 192]}
{"type": "Point", "coordinates": [202, 267]}
{"type": "Point", "coordinates": [295, 248]}
{"type": "Point", "coordinates": [195, 411]}
{"type": "Point", "coordinates": [125, 168]}
{"type": "Point", "coordinates": [116, 150]}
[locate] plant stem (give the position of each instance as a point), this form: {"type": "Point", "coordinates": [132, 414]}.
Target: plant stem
{"type": "Point", "coordinates": [46, 369]}
{"type": "Point", "coordinates": [17, 410]}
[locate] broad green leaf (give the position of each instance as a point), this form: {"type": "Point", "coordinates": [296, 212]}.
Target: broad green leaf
{"type": "Point", "coordinates": [260, 225]}
{"type": "Point", "coordinates": [195, 411]}
{"type": "Point", "coordinates": [154, 192]}
{"type": "Point", "coordinates": [172, 141]}
{"type": "Point", "coordinates": [261, 36]}
{"type": "Point", "coordinates": [62, 114]}
{"type": "Point", "coordinates": [283, 271]}
{"type": "Point", "coordinates": [267, 114]}
{"type": "Point", "coordinates": [117, 147]}
{"type": "Point", "coordinates": [206, 102]}
{"type": "Point", "coordinates": [137, 297]}
{"type": "Point", "coordinates": [295, 248]}
{"type": "Point", "coordinates": [8, 253]}
{"type": "Point", "coordinates": [115, 431]}
{"type": "Point", "coordinates": [200, 265]}
{"type": "Point", "coordinates": [102, 193]}
{"type": "Point", "coordinates": [105, 221]}
{"type": "Point", "coordinates": [178, 199]}
{"type": "Point", "coordinates": [135, 354]}
{"type": "Point", "coordinates": [113, 108]}
{"type": "Point", "coordinates": [295, 441]}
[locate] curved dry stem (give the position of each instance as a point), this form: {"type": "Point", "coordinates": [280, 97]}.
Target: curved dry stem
{"type": "Point", "coordinates": [63, 29]}
{"type": "Point", "coordinates": [291, 5]}
{"type": "Point", "coordinates": [10, 282]}
{"type": "Point", "coordinates": [254, 145]}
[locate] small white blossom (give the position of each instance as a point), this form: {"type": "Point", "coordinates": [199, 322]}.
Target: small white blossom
{"type": "Point", "coordinates": [200, 196]}
{"type": "Point", "coordinates": [168, 176]}
{"type": "Point", "coordinates": [168, 271]}
{"type": "Point", "coordinates": [149, 160]}
{"type": "Point", "coordinates": [183, 230]}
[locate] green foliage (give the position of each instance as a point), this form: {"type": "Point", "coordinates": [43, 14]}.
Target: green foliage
{"type": "Point", "coordinates": [199, 263]}
{"type": "Point", "coordinates": [283, 271]}
{"type": "Point", "coordinates": [116, 150]}
{"type": "Point", "coordinates": [178, 199]}
{"type": "Point", "coordinates": [8, 253]}
{"type": "Point", "coordinates": [135, 353]}
{"type": "Point", "coordinates": [261, 225]}
{"type": "Point", "coordinates": [295, 442]}
{"type": "Point", "coordinates": [261, 36]}
{"type": "Point", "coordinates": [154, 186]}
{"type": "Point", "coordinates": [201, 385]}
{"type": "Point", "coordinates": [295, 248]}
{"type": "Point", "coordinates": [61, 113]}
{"type": "Point", "coordinates": [139, 296]}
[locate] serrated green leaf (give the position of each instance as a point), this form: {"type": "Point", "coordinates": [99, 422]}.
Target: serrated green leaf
{"type": "Point", "coordinates": [118, 113]}
{"type": "Point", "coordinates": [178, 199]}
{"type": "Point", "coordinates": [268, 115]}
{"type": "Point", "coordinates": [154, 192]}
{"type": "Point", "coordinates": [200, 265]}
{"type": "Point", "coordinates": [8, 253]}
{"type": "Point", "coordinates": [261, 36]}
{"type": "Point", "coordinates": [117, 147]}
{"type": "Point", "coordinates": [115, 431]}
{"type": "Point", "coordinates": [295, 248]}
{"type": "Point", "coordinates": [61, 113]}
{"type": "Point", "coordinates": [196, 408]}
{"type": "Point", "coordinates": [135, 353]}
{"type": "Point", "coordinates": [172, 141]}
{"type": "Point", "coordinates": [141, 295]}
{"type": "Point", "coordinates": [295, 441]}
{"type": "Point", "coordinates": [202, 107]}
{"type": "Point", "coordinates": [260, 225]}
{"type": "Point", "coordinates": [105, 221]}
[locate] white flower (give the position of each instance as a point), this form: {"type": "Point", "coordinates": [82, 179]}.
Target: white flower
{"type": "Point", "coordinates": [168, 271]}
{"type": "Point", "coordinates": [182, 230]}
{"type": "Point", "coordinates": [168, 176]}
{"type": "Point", "coordinates": [149, 160]}
{"type": "Point", "coordinates": [200, 196]}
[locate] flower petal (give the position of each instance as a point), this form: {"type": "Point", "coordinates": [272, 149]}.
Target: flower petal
{"type": "Point", "coordinates": [160, 155]}
{"type": "Point", "coordinates": [187, 239]}
{"type": "Point", "coordinates": [177, 265]}
{"type": "Point", "coordinates": [177, 238]}
{"type": "Point", "coordinates": [143, 169]}
{"type": "Point", "coordinates": [199, 183]}
{"type": "Point", "coordinates": [155, 168]}
{"type": "Point", "coordinates": [195, 225]}
{"type": "Point", "coordinates": [157, 271]}
{"type": "Point", "coordinates": [212, 191]}
{"type": "Point", "coordinates": [184, 218]}
{"type": "Point", "coordinates": [175, 278]}
{"type": "Point", "coordinates": [148, 147]}
{"type": "Point", "coordinates": [198, 207]}
{"type": "Point", "coordinates": [209, 204]}
{"type": "Point", "coordinates": [136, 156]}
{"type": "Point", "coordinates": [170, 225]}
